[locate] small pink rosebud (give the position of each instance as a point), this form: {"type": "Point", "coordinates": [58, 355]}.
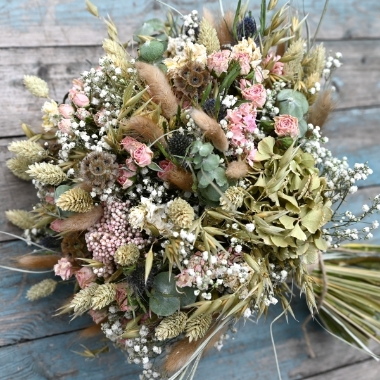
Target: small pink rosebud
{"type": "Point", "coordinates": [83, 114]}
{"type": "Point", "coordinates": [130, 144]}
{"type": "Point", "coordinates": [78, 84]}
{"type": "Point", "coordinates": [66, 110]}
{"type": "Point", "coordinates": [65, 126]}
{"type": "Point", "coordinates": [98, 315]}
{"type": "Point", "coordinates": [286, 125]}
{"type": "Point", "coordinates": [64, 268]}
{"type": "Point", "coordinates": [81, 100]}
{"type": "Point", "coordinates": [143, 155]}
{"type": "Point", "coordinates": [166, 166]}
{"type": "Point", "coordinates": [85, 276]}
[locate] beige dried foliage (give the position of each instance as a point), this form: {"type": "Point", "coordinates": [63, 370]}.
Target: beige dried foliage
{"type": "Point", "coordinates": [48, 174]}
{"type": "Point", "coordinates": [18, 166]}
{"type": "Point", "coordinates": [321, 109]}
{"type": "Point", "coordinates": [79, 222]}
{"type": "Point", "coordinates": [103, 296]}
{"type": "Point", "coordinates": [180, 178]}
{"type": "Point", "coordinates": [30, 150]}
{"type": "Point", "coordinates": [170, 327]}
{"type": "Point", "coordinates": [208, 36]}
{"type": "Point", "coordinates": [237, 169]}
{"type": "Point", "coordinates": [76, 200]}
{"type": "Point", "coordinates": [211, 128]}
{"type": "Point", "coordinates": [159, 88]}
{"type": "Point", "coordinates": [21, 218]}
{"type": "Point", "coordinates": [145, 129]}
{"type": "Point", "coordinates": [37, 261]}
{"type": "Point", "coordinates": [36, 86]}
{"type": "Point", "coordinates": [41, 290]}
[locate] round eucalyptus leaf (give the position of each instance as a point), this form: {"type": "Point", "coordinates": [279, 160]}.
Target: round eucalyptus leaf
{"type": "Point", "coordinates": [151, 51]}
{"type": "Point", "coordinates": [164, 305]}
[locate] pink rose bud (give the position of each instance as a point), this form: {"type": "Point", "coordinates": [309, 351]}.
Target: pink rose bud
{"type": "Point", "coordinates": [80, 100]}
{"type": "Point", "coordinates": [143, 155]}
{"type": "Point", "coordinates": [66, 110]}
{"type": "Point", "coordinates": [83, 114]}
{"type": "Point", "coordinates": [166, 166]}
{"type": "Point", "coordinates": [255, 92]}
{"type": "Point", "coordinates": [130, 144]}
{"type": "Point", "coordinates": [85, 276]}
{"type": "Point", "coordinates": [56, 225]}
{"type": "Point", "coordinates": [64, 268]}
{"type": "Point", "coordinates": [78, 84]}
{"type": "Point", "coordinates": [98, 315]}
{"type": "Point", "coordinates": [65, 126]}
{"type": "Point", "coordinates": [286, 125]}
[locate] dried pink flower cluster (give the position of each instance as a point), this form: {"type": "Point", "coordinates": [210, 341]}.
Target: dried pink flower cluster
{"type": "Point", "coordinates": [113, 230]}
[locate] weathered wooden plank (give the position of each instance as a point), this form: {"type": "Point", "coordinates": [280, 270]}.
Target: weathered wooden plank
{"type": "Point", "coordinates": [58, 66]}
{"type": "Point", "coordinates": [57, 22]}
{"type": "Point", "coordinates": [22, 320]}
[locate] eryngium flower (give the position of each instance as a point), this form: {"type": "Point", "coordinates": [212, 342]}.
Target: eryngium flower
{"type": "Point", "coordinates": [247, 28]}
{"type": "Point", "coordinates": [172, 326]}
{"type": "Point", "coordinates": [181, 213]}
{"type": "Point", "coordinates": [41, 290]}
{"type": "Point", "coordinates": [179, 143]}
{"type": "Point", "coordinates": [82, 300]}
{"type": "Point", "coordinates": [232, 199]}
{"type": "Point", "coordinates": [18, 166]}
{"type": "Point", "coordinates": [30, 150]}
{"type": "Point", "coordinates": [198, 327]}
{"type": "Point", "coordinates": [127, 255]}
{"type": "Point", "coordinates": [76, 199]}
{"type": "Point", "coordinates": [99, 170]}
{"type": "Point", "coordinates": [37, 86]}
{"type": "Point", "coordinates": [103, 296]}
{"type": "Point", "coordinates": [20, 218]}
{"type": "Point", "coordinates": [48, 174]}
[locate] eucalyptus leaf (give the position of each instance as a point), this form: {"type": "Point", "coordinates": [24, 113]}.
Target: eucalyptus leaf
{"type": "Point", "coordinates": [163, 305]}
{"type": "Point", "coordinates": [210, 163]}
{"type": "Point", "coordinates": [187, 296]}
{"type": "Point", "coordinates": [205, 149]}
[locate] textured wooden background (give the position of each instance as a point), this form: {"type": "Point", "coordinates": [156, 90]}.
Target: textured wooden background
{"type": "Point", "coordinates": [56, 40]}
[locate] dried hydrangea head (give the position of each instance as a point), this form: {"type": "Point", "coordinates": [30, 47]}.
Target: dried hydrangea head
{"type": "Point", "coordinates": [48, 174]}
{"type": "Point", "coordinates": [18, 166]}
{"type": "Point", "coordinates": [20, 218]}
{"type": "Point", "coordinates": [30, 150]}
{"type": "Point", "coordinates": [181, 213]}
{"type": "Point", "coordinates": [232, 199]}
{"type": "Point", "coordinates": [36, 86]}
{"type": "Point", "coordinates": [127, 255]}
{"type": "Point", "coordinates": [99, 170]}
{"type": "Point", "coordinates": [83, 299]}
{"type": "Point", "coordinates": [103, 296]}
{"type": "Point", "coordinates": [172, 326]}
{"type": "Point", "coordinates": [41, 290]}
{"type": "Point", "coordinates": [76, 200]}
{"type": "Point", "coordinates": [198, 327]}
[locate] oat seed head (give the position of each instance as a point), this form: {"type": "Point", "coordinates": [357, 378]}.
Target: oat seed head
{"type": "Point", "coordinates": [82, 300]}
{"type": "Point", "coordinates": [30, 150]}
{"type": "Point", "coordinates": [18, 166]}
{"type": "Point", "coordinates": [21, 218]}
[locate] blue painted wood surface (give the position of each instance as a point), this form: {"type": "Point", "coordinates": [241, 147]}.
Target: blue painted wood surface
{"type": "Point", "coordinates": [35, 346]}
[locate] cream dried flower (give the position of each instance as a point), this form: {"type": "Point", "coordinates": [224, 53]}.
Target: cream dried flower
{"type": "Point", "coordinates": [198, 327]}
{"type": "Point", "coordinates": [21, 218]}
{"type": "Point", "coordinates": [103, 296]}
{"type": "Point", "coordinates": [76, 200]}
{"type": "Point", "coordinates": [127, 255]}
{"type": "Point", "coordinates": [232, 199]}
{"type": "Point", "coordinates": [172, 326]}
{"type": "Point", "coordinates": [181, 213]}
{"type": "Point", "coordinates": [136, 217]}
{"type": "Point", "coordinates": [18, 166]}
{"type": "Point", "coordinates": [41, 290]}
{"type": "Point", "coordinates": [47, 173]}
{"type": "Point", "coordinates": [30, 150]}
{"type": "Point", "coordinates": [36, 86]}
{"type": "Point", "coordinates": [82, 300]}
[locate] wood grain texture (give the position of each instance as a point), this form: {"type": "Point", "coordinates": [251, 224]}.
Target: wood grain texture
{"type": "Point", "coordinates": [67, 23]}
{"type": "Point", "coordinates": [60, 65]}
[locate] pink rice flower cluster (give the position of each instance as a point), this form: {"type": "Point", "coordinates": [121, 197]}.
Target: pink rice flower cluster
{"type": "Point", "coordinates": [113, 230]}
{"type": "Point", "coordinates": [241, 128]}
{"type": "Point", "coordinates": [64, 268]}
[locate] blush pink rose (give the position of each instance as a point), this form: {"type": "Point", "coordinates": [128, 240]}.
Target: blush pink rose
{"type": "Point", "coordinates": [85, 276]}
{"type": "Point", "coordinates": [98, 315]}
{"type": "Point", "coordinates": [99, 118]}
{"type": "Point", "coordinates": [278, 67]}
{"type": "Point", "coordinates": [143, 155]}
{"type": "Point", "coordinates": [167, 166]}
{"type": "Point", "coordinates": [65, 126]}
{"type": "Point", "coordinates": [286, 125]}
{"type": "Point", "coordinates": [130, 144]}
{"type": "Point", "coordinates": [219, 61]}
{"type": "Point", "coordinates": [66, 110]}
{"type": "Point", "coordinates": [254, 92]}
{"type": "Point", "coordinates": [78, 84]}
{"type": "Point", "coordinates": [80, 100]}
{"type": "Point", "coordinates": [64, 268]}
{"type": "Point", "coordinates": [244, 61]}
{"type": "Point", "coordinates": [82, 113]}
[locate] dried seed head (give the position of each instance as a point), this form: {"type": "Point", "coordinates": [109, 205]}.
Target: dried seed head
{"type": "Point", "coordinates": [233, 198]}
{"type": "Point", "coordinates": [172, 326]}
{"type": "Point", "coordinates": [76, 200]}
{"type": "Point", "coordinates": [82, 300]}
{"type": "Point", "coordinates": [180, 178]}
{"type": "Point", "coordinates": [179, 143]}
{"type": "Point", "coordinates": [41, 290]}
{"type": "Point", "coordinates": [237, 169]}
{"type": "Point", "coordinates": [103, 296]}
{"type": "Point", "coordinates": [198, 327]}
{"type": "Point", "coordinates": [37, 261]}
{"type": "Point", "coordinates": [208, 36]}
{"type": "Point", "coordinates": [181, 213]}
{"type": "Point", "coordinates": [74, 245]}
{"type": "Point", "coordinates": [20, 218]}
{"type": "Point", "coordinates": [99, 169]}
{"type": "Point", "coordinates": [18, 166]}
{"type": "Point", "coordinates": [47, 173]}
{"type": "Point", "coordinates": [127, 255]}
{"type": "Point", "coordinates": [30, 150]}
{"type": "Point", "coordinates": [36, 86]}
